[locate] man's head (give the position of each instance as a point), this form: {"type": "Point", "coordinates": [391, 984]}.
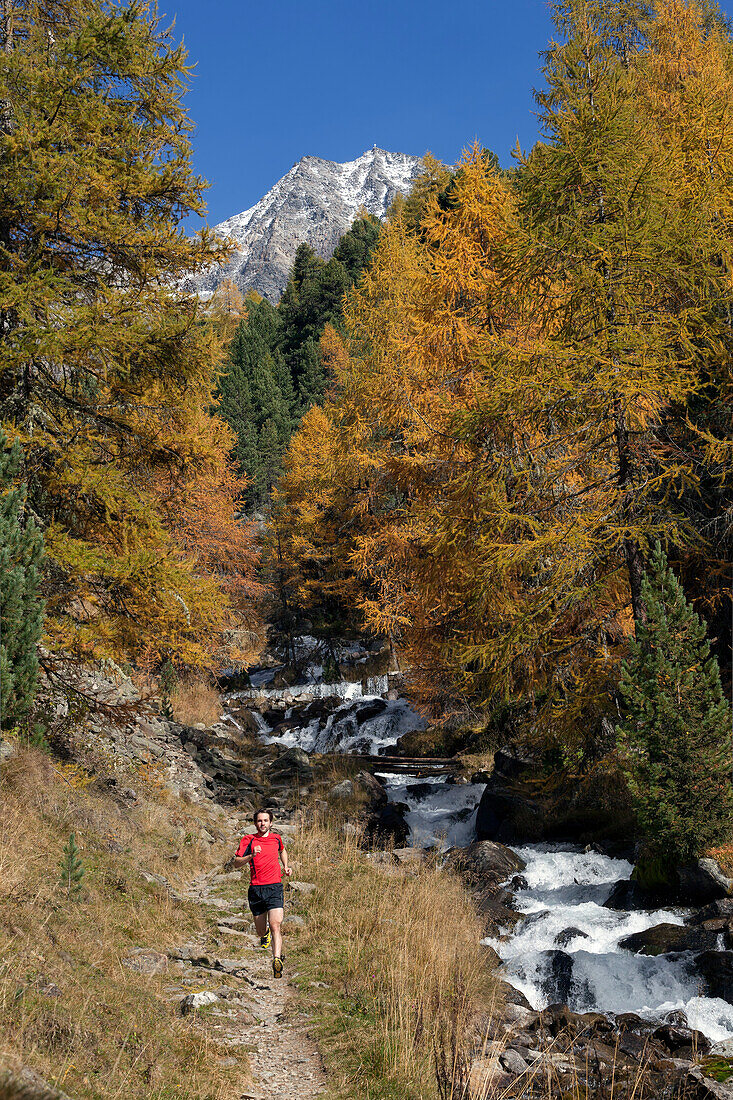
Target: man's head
{"type": "Point", "coordinates": [263, 821]}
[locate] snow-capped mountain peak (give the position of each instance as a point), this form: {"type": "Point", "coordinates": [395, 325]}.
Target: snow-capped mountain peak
{"type": "Point", "coordinates": [316, 202]}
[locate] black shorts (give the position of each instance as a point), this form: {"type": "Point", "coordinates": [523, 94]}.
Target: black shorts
{"type": "Point", "coordinates": [263, 898]}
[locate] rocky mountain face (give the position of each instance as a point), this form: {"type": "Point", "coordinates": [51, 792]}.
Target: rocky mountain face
{"type": "Point", "coordinates": [315, 202]}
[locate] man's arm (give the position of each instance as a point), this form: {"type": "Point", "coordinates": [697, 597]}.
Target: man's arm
{"type": "Point", "coordinates": [246, 857]}
{"type": "Point", "coordinates": [284, 858]}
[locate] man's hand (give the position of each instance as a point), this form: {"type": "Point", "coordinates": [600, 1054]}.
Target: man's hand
{"type": "Point", "coordinates": [257, 849]}
{"type": "Point", "coordinates": [288, 871]}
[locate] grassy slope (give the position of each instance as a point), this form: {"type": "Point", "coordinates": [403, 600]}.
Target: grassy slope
{"type": "Point", "coordinates": [69, 1008]}
{"type": "Point", "coordinates": [398, 949]}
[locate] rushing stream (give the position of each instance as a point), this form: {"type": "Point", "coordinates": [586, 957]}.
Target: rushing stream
{"type": "Point", "coordinates": [566, 947]}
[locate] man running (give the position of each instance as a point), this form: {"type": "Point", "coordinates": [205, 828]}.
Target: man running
{"type": "Point", "coordinates": [263, 852]}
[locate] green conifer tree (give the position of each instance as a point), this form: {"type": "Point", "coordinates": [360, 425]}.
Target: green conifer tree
{"type": "Point", "coordinates": [676, 736]}
{"type": "Point", "coordinates": [21, 610]}
{"type": "Point", "coordinates": [72, 870]}
{"type": "Point", "coordinates": [311, 375]}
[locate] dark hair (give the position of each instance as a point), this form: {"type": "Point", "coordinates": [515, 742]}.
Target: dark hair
{"type": "Point", "coordinates": [257, 813]}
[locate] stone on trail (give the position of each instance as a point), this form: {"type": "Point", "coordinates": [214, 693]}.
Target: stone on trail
{"type": "Point", "coordinates": [197, 1000]}
{"type": "Point", "coordinates": [302, 887]}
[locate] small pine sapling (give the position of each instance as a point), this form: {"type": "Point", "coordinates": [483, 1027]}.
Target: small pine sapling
{"type": "Point", "coordinates": [72, 869]}
{"type": "Point", "coordinates": [676, 736]}
{"type": "Point", "coordinates": [168, 684]}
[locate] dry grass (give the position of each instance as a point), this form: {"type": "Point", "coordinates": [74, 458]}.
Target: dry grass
{"type": "Point", "coordinates": [69, 1008]}
{"type": "Point", "coordinates": [195, 701]}
{"type": "Point", "coordinates": [398, 945]}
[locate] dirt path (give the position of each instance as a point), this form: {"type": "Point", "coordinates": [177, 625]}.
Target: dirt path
{"type": "Point", "coordinates": [252, 1010]}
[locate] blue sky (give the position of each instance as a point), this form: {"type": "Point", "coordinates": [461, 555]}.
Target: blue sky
{"type": "Point", "coordinates": [274, 82]}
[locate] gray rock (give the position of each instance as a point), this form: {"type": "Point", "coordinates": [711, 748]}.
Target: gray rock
{"type": "Point", "coordinates": [7, 748]}
{"type": "Point", "coordinates": [505, 816]}
{"type": "Point", "coordinates": [292, 920]}
{"type": "Point", "coordinates": [147, 962]}
{"type": "Point", "coordinates": [486, 862]}
{"type": "Point", "coordinates": [294, 764]}
{"type": "Point", "coordinates": [513, 1062]}
{"type": "Point", "coordinates": [197, 1000]}
{"type": "Point", "coordinates": [663, 938]}
{"type": "Point", "coordinates": [342, 790]}
{"type": "Point", "coordinates": [716, 968]}
{"type": "Point", "coordinates": [704, 881]}
{"type": "Point", "coordinates": [26, 1084]}
{"type": "Point", "coordinates": [562, 939]}
{"type": "Point", "coordinates": [302, 887]}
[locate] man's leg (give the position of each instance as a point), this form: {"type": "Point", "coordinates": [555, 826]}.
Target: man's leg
{"type": "Point", "coordinates": [275, 919]}
{"type": "Point", "coordinates": [260, 924]}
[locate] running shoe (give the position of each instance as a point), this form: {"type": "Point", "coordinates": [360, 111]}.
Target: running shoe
{"type": "Point", "coordinates": [277, 967]}
{"type": "Point", "coordinates": [266, 940]}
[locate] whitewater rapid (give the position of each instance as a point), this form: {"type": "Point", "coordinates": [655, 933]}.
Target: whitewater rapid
{"type": "Point", "coordinates": [588, 970]}
{"type": "Point", "coordinates": [440, 814]}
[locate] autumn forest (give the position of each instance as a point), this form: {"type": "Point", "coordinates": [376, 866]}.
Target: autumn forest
{"type": "Point", "coordinates": [481, 430]}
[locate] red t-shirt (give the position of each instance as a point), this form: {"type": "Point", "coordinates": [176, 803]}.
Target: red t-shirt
{"type": "Point", "coordinates": [265, 867]}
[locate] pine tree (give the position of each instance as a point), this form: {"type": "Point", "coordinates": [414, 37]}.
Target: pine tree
{"type": "Point", "coordinates": [311, 375]}
{"type": "Point", "coordinates": [21, 610]}
{"type": "Point", "coordinates": [72, 870]}
{"type": "Point", "coordinates": [676, 734]}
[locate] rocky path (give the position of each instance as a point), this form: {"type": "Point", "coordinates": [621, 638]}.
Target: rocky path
{"type": "Point", "coordinates": [242, 1006]}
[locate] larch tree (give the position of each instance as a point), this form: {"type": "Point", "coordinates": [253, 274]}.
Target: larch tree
{"type": "Point", "coordinates": [102, 358]}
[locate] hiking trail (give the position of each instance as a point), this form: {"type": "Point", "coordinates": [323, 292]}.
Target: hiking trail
{"type": "Point", "coordinates": [244, 1006]}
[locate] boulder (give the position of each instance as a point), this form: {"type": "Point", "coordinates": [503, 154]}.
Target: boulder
{"type": "Point", "coordinates": [388, 824]}
{"type": "Point", "coordinates": [147, 962]}
{"type": "Point", "coordinates": [486, 862]}
{"type": "Point", "coordinates": [371, 785]}
{"type": "Point", "coordinates": [370, 710]}
{"type": "Point", "coordinates": [720, 909]}
{"type": "Point", "coordinates": [26, 1084]}
{"type": "Point", "coordinates": [513, 1062]}
{"type": "Point", "coordinates": [510, 763]}
{"type": "Point", "coordinates": [626, 895]}
{"type": "Point", "coordinates": [716, 970]}
{"type": "Point", "coordinates": [410, 855]}
{"type": "Point", "coordinates": [704, 881]}
{"type": "Point", "coordinates": [418, 791]}
{"type": "Point", "coordinates": [505, 816]}
{"type": "Point", "coordinates": [511, 996]}
{"type": "Point", "coordinates": [683, 1042]}
{"type": "Point", "coordinates": [562, 939]}
{"type": "Point", "coordinates": [345, 789]}
{"type": "Point", "coordinates": [293, 765]}
{"type": "Point", "coordinates": [486, 1078]}
{"type": "Point", "coordinates": [663, 938]}
{"type": "Point", "coordinates": [558, 978]}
